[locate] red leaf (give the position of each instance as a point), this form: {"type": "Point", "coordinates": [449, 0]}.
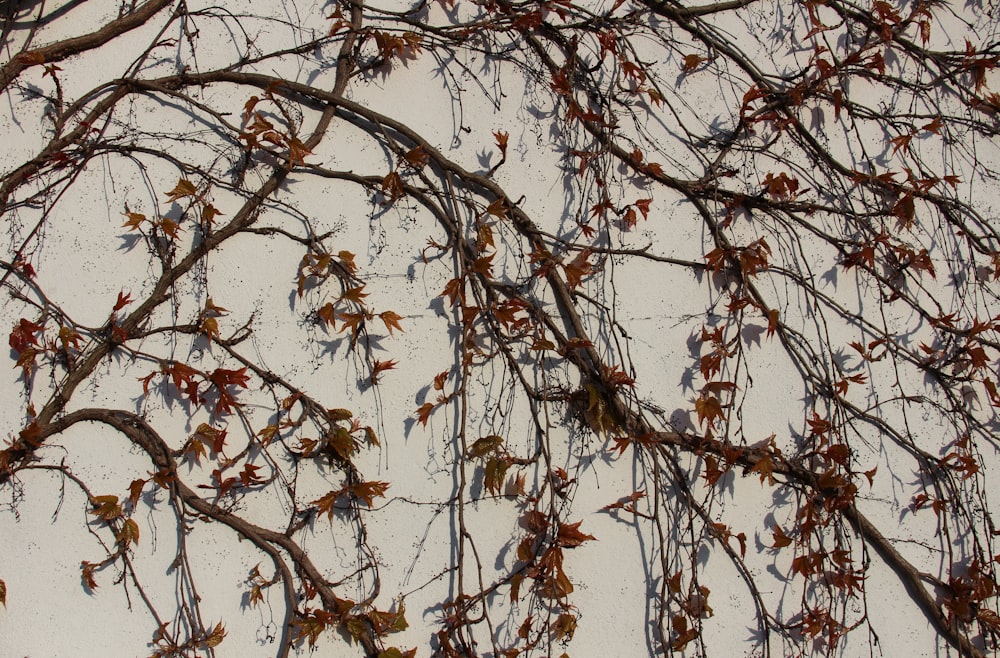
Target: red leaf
{"type": "Point", "coordinates": [934, 126]}
{"type": "Point", "coordinates": [23, 335]}
{"type": "Point", "coordinates": [222, 379]}
{"type": "Point", "coordinates": [223, 485]}
{"type": "Point", "coordinates": [901, 142]}
{"type": "Point", "coordinates": [124, 299]}
{"type": "Point", "coordinates": [627, 503]}
{"type": "Point", "coordinates": [643, 206]}
{"type": "Point", "coordinates": [818, 426]}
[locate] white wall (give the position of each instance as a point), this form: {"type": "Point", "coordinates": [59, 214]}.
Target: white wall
{"type": "Point", "coordinates": [644, 306]}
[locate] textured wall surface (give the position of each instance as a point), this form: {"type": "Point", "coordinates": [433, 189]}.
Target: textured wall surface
{"type": "Point", "coordinates": [499, 329]}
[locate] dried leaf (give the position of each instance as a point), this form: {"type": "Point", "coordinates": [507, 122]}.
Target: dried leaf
{"type": "Point", "coordinates": [134, 220]}
{"type": "Point", "coordinates": [781, 540]}
{"type": "Point", "coordinates": [367, 491]}
{"type": "Point", "coordinates": [87, 574]}
{"type": "Point", "coordinates": [378, 367]}
{"type": "Point", "coordinates": [184, 188]}
{"type": "Point", "coordinates": [326, 503]}
{"type": "Point", "coordinates": [341, 443]}
{"type": "Point", "coordinates": [692, 62]}
{"type": "Point", "coordinates": [494, 475]}
{"type": "Point", "coordinates": [391, 320]}
{"type": "Point", "coordinates": [106, 507]}
{"type": "Point", "coordinates": [129, 533]}
{"type": "Point", "coordinates": [393, 652]}
{"type": "Point", "coordinates": [569, 535]}
{"type": "Point", "coordinates": [484, 446]}
{"type": "Point", "coordinates": [417, 157]}
{"type": "Point", "coordinates": [564, 627]}
{"type": "Point", "coordinates": [424, 412]}
{"type": "Point", "coordinates": [392, 187]}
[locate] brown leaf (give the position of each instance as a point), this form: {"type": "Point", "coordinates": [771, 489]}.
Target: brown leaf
{"type": "Point", "coordinates": [311, 625]}
{"type": "Point", "coordinates": [683, 634]}
{"type": "Point", "coordinates": [184, 188]}
{"type": "Point", "coordinates": [708, 409]}
{"type": "Point", "coordinates": [134, 220]}
{"type": "Point", "coordinates": [297, 151]}
{"type": "Point", "coordinates": [266, 435]}
{"type": "Point", "coordinates": [393, 652]}
{"type": "Point", "coordinates": [498, 208]}
{"type": "Point", "coordinates": [209, 328]}
{"type": "Point", "coordinates": [765, 468]}
{"type": "Point", "coordinates": [578, 268]}
{"type": "Point", "coordinates": [106, 507]}
{"type": "Point", "coordinates": [356, 295]}
{"type": "Point", "coordinates": [367, 491]}
{"type": "Point", "coordinates": [417, 157]}
{"type": "Point", "coordinates": [340, 441]}
{"type": "Point", "coordinates": [216, 637]}
{"type": "Point", "coordinates": [327, 315]}
{"type": "Point", "coordinates": [392, 187]}
{"type": "Point", "coordinates": [208, 214]}
{"type": "Point", "coordinates": [455, 289]}
{"type": "Point", "coordinates": [501, 138]}
{"type": "Point", "coordinates": [484, 265]}
{"type": "Point", "coordinates": [494, 475]}
{"type": "Point", "coordinates": [326, 503]}
{"type": "Point", "coordinates": [391, 320]}
{"type": "Point", "coordinates": [378, 367]}
{"type": "Point", "coordinates": [781, 540]}
{"type": "Point", "coordinates": [87, 574]}
{"type": "Point", "coordinates": [129, 533]}
{"type": "Point", "coordinates": [424, 412]}
{"type": "Point", "coordinates": [692, 62]}
{"type": "Point", "coordinates": [484, 446]}
{"type": "Point", "coordinates": [985, 615]}
{"type": "Point", "coordinates": [564, 627]}
{"type": "Point", "coordinates": [569, 535]}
